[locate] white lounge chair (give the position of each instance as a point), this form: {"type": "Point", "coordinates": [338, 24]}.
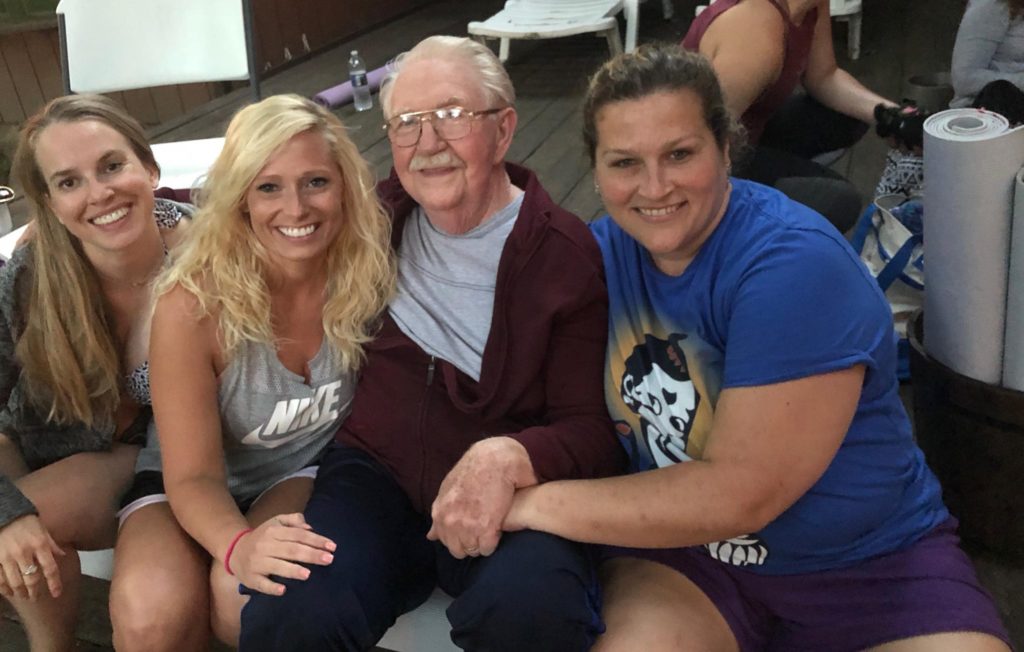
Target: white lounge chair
{"type": "Point", "coordinates": [543, 19]}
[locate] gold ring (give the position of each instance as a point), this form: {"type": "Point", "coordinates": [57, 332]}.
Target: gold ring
{"type": "Point", "coordinates": [30, 570]}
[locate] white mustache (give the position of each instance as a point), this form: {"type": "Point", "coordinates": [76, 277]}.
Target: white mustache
{"type": "Point", "coordinates": [443, 159]}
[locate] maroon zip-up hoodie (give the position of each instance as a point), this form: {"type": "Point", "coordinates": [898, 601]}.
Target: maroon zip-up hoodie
{"type": "Point", "coordinates": [541, 380]}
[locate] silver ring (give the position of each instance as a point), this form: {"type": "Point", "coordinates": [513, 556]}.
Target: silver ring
{"type": "Point", "coordinates": [472, 551]}
{"type": "Point", "coordinates": [30, 570]}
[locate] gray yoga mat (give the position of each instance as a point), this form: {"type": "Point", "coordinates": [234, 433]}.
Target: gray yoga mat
{"type": "Point", "coordinates": [970, 160]}
{"type": "Point", "coordinates": [1013, 354]}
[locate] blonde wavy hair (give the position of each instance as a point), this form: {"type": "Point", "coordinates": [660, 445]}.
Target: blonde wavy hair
{"type": "Point", "coordinates": [224, 265]}
{"type": "Point", "coordinates": [70, 361]}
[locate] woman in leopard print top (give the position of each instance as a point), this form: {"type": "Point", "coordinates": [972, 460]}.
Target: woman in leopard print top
{"type": "Point", "coordinates": [74, 331]}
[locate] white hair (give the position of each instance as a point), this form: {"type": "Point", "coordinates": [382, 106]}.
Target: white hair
{"type": "Point", "coordinates": [494, 80]}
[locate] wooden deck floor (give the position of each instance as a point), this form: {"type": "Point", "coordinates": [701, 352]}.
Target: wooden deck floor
{"type": "Point", "coordinates": [900, 38]}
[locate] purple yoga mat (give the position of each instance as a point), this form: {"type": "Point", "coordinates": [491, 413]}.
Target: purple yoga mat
{"type": "Point", "coordinates": [335, 96]}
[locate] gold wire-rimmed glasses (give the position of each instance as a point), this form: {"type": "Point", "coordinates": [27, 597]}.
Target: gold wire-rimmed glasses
{"type": "Point", "coordinates": [449, 123]}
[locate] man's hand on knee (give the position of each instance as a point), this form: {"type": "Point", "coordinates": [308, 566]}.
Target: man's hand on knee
{"type": "Point", "coordinates": [476, 495]}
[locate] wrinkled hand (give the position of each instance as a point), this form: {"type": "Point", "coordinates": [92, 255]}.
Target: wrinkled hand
{"type": "Point", "coordinates": [274, 548]}
{"type": "Point", "coordinates": [24, 543]}
{"type": "Point", "coordinates": [476, 495]}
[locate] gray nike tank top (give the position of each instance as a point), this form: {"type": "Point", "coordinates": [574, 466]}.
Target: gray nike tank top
{"type": "Point", "coordinates": [272, 422]}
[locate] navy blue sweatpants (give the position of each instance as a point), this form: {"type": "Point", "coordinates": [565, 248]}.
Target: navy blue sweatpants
{"type": "Point", "coordinates": [537, 591]}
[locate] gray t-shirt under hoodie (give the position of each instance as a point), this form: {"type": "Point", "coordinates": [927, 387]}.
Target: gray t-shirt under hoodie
{"type": "Point", "coordinates": [445, 295]}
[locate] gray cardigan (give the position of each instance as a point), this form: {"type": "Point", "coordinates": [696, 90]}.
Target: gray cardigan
{"type": "Point", "coordinates": [39, 442]}
{"type": "Point", "coordinates": [989, 46]}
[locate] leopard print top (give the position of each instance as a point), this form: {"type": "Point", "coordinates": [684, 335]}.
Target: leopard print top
{"type": "Point", "coordinates": [136, 382]}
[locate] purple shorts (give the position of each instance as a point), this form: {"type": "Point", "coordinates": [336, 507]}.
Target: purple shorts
{"type": "Point", "coordinates": [928, 588]}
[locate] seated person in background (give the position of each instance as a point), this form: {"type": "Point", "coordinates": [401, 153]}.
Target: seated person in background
{"type": "Point", "coordinates": [257, 338]}
{"type": "Point", "coordinates": [778, 501]}
{"type": "Point", "coordinates": [485, 377]}
{"type": "Point", "coordinates": [988, 58]}
{"type": "Point", "coordinates": [74, 338]}
{"type": "Point", "coordinates": [762, 50]}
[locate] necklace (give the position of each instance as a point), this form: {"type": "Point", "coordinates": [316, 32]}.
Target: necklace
{"type": "Point", "coordinates": [145, 280]}
{"type": "Point", "coordinates": [149, 279]}
{"type": "Point", "coordinates": [166, 215]}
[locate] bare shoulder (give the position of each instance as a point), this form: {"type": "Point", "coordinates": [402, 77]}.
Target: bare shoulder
{"type": "Point", "coordinates": [746, 47]}
{"type": "Point", "coordinates": [183, 331]}
{"type": "Point", "coordinates": [179, 312]}
{"type": "Point", "coordinates": [751, 25]}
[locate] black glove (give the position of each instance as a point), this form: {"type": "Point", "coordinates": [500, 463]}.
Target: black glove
{"type": "Point", "coordinates": [903, 123]}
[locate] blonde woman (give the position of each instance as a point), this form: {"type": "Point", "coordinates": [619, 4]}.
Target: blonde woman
{"type": "Point", "coordinates": [74, 332]}
{"type": "Point", "coordinates": [257, 336]}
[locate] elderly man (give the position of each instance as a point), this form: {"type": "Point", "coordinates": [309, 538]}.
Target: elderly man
{"type": "Point", "coordinates": [486, 377]}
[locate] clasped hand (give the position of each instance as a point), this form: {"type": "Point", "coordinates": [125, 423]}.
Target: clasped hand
{"type": "Point", "coordinates": [278, 547]}
{"type": "Point", "coordinates": [474, 498]}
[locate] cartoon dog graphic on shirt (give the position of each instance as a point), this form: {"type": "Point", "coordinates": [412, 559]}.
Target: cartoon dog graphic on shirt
{"type": "Point", "coordinates": [656, 385]}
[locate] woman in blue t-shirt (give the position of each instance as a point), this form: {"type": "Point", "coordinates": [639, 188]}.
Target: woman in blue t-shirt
{"type": "Point", "coordinates": [778, 500]}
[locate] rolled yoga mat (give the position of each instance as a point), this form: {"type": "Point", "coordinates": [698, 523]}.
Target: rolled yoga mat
{"type": "Point", "coordinates": [335, 96]}
{"type": "Point", "coordinates": [1013, 351]}
{"type": "Point", "coordinates": [970, 160]}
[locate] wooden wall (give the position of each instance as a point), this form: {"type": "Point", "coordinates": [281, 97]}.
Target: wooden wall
{"type": "Point", "coordinates": [29, 72]}
{"type": "Point", "coordinates": [286, 30]}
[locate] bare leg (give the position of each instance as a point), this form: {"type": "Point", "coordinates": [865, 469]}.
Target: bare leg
{"type": "Point", "coordinates": [76, 498]}
{"type": "Point", "coordinates": [285, 498]}
{"type": "Point", "coordinates": [159, 597]}
{"type": "Point", "coordinates": [50, 622]}
{"type": "Point", "coordinates": [946, 642]}
{"type": "Point", "coordinates": [651, 607]}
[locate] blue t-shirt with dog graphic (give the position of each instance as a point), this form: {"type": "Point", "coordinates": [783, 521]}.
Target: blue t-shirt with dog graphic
{"type": "Point", "coordinates": [774, 294]}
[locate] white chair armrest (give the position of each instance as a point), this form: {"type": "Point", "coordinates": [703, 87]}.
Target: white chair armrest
{"type": "Point", "coordinates": [8, 241]}
{"type": "Point", "coordinates": [186, 161]}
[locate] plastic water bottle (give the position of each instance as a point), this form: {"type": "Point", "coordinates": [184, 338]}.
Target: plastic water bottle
{"type": "Point", "coordinates": [360, 88]}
